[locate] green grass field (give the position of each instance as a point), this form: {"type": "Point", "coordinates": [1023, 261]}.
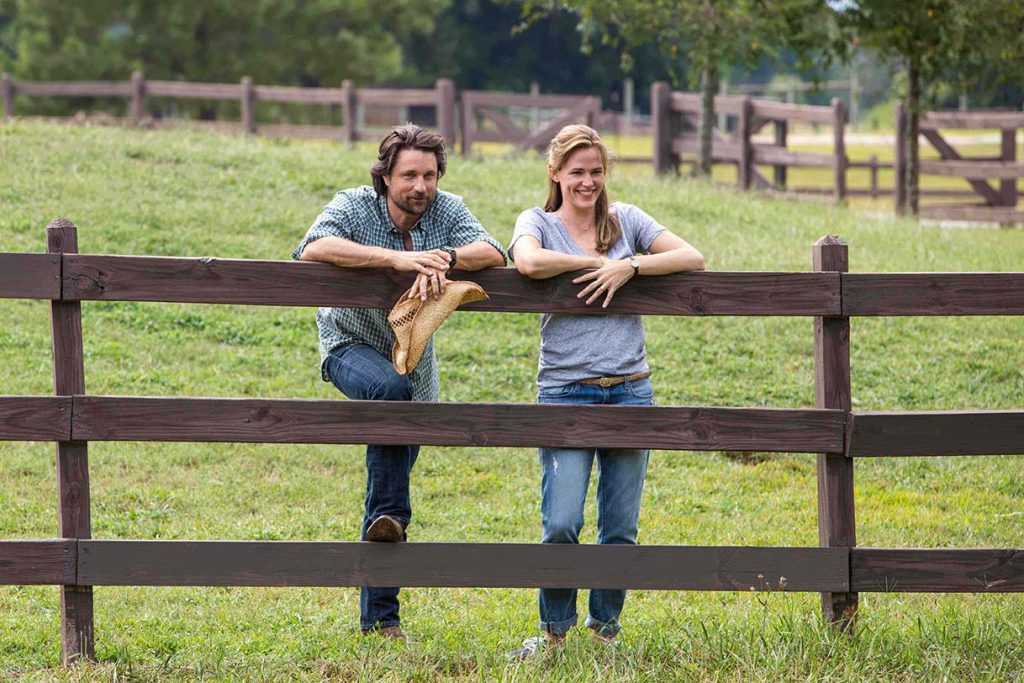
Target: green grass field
{"type": "Point", "coordinates": [200, 194]}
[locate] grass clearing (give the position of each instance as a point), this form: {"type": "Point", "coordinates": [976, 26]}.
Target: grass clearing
{"type": "Point", "coordinates": [196, 194]}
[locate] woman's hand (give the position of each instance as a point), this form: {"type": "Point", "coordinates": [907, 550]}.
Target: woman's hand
{"type": "Point", "coordinates": [605, 280]}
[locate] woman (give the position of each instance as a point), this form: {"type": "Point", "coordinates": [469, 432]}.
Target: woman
{"type": "Point", "coordinates": [591, 359]}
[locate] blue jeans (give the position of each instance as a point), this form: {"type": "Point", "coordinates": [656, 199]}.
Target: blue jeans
{"type": "Point", "coordinates": [361, 373]}
{"type": "Point", "coordinates": [620, 485]}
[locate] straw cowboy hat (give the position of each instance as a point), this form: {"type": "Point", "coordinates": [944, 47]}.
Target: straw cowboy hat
{"type": "Point", "coordinates": [414, 320]}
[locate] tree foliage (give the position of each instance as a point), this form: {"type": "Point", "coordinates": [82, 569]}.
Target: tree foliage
{"type": "Point", "coordinates": [712, 34]}
{"type": "Point", "coordinates": [310, 42]}
{"type": "Point", "coordinates": [974, 45]}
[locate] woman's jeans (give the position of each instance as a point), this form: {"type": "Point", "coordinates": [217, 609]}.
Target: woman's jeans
{"type": "Point", "coordinates": [620, 484]}
{"type": "Point", "coordinates": [361, 373]}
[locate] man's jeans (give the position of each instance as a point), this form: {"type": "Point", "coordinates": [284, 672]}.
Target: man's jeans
{"type": "Point", "coordinates": [361, 373]}
{"type": "Point", "coordinates": [566, 473]}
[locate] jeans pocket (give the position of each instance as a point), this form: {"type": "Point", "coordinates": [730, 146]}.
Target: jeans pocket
{"type": "Point", "coordinates": [640, 388]}
{"type": "Point", "coordinates": [547, 394]}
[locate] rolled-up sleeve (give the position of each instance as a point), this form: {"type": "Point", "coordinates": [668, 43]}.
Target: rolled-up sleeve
{"type": "Point", "coordinates": [334, 221]}
{"type": "Point", "coordinates": [466, 229]}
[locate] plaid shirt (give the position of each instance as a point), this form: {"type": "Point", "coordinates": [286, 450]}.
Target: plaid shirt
{"type": "Point", "coordinates": [360, 215]}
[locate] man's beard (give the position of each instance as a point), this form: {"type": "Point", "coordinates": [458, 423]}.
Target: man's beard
{"type": "Point", "coordinates": [408, 203]}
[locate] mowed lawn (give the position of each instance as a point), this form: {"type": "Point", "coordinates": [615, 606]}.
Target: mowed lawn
{"type": "Point", "coordinates": [202, 194]}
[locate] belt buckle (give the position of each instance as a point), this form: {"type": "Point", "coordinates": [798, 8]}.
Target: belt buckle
{"type": "Point", "coordinates": [605, 382]}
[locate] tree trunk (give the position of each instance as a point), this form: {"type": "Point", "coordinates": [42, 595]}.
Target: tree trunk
{"type": "Point", "coordinates": [709, 88]}
{"type": "Point", "coordinates": [914, 118]}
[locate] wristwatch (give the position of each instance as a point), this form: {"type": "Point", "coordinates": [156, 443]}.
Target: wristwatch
{"type": "Point", "coordinates": [635, 262]}
{"type": "Point", "coordinates": [454, 257]}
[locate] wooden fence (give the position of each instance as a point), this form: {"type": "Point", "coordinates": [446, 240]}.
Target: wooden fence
{"type": "Point", "coordinates": [998, 204]}
{"type": "Point", "coordinates": [487, 108]}
{"type": "Point", "coordinates": [350, 99]}
{"type": "Point", "coordinates": [838, 568]}
{"type": "Point", "coordinates": [677, 114]}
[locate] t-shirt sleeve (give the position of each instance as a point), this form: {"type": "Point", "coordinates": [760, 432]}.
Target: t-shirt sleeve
{"type": "Point", "coordinates": [641, 228]}
{"type": "Point", "coordinates": [334, 221]}
{"type": "Point", "coordinates": [528, 224]}
{"type": "Point", "coordinates": [466, 229]}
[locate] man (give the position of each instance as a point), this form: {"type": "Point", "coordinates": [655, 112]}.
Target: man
{"type": "Point", "coordinates": [402, 222]}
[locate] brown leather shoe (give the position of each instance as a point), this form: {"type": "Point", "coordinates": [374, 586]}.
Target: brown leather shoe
{"type": "Point", "coordinates": [390, 632]}
{"type": "Point", "coordinates": [386, 529]}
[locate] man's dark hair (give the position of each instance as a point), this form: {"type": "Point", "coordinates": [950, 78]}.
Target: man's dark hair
{"type": "Point", "coordinates": [408, 136]}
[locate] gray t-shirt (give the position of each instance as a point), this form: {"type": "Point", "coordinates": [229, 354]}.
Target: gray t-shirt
{"type": "Point", "coordinates": [575, 347]}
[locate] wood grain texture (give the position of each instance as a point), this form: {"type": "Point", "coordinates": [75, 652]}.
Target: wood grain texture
{"type": "Point", "coordinates": [24, 563]}
{"type": "Point", "coordinates": [123, 418]}
{"type": "Point", "coordinates": [512, 565]}
{"type": "Point", "coordinates": [898, 294]}
{"type": "Point", "coordinates": [999, 432]}
{"type": "Point", "coordinates": [287, 283]}
{"type": "Point", "coordinates": [901, 570]}
{"type": "Point", "coordinates": [837, 525]}
{"type": "Point", "coordinates": [29, 276]}
{"type": "Point", "coordinates": [35, 418]}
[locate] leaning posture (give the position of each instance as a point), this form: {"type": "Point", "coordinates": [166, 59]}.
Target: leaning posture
{"type": "Point", "coordinates": [590, 359]}
{"type": "Point", "coordinates": [402, 222]}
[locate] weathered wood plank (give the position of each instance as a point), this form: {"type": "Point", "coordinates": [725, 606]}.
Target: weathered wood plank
{"type": "Point", "coordinates": [770, 154]}
{"type": "Point", "coordinates": [508, 99]}
{"type": "Point", "coordinates": [721, 150]}
{"type": "Point", "coordinates": [900, 570]}
{"type": "Point", "coordinates": [974, 212]}
{"type": "Point", "coordinates": [512, 565]}
{"type": "Point", "coordinates": [898, 294]}
{"type": "Point", "coordinates": [199, 91]}
{"type": "Point", "coordinates": [35, 418]}
{"type": "Point", "coordinates": [783, 111]}
{"type": "Point", "coordinates": [999, 432]}
{"type": "Point", "coordinates": [29, 276]}
{"type": "Point", "coordinates": [837, 525]}
{"type": "Point", "coordinates": [959, 168]}
{"type": "Point", "coordinates": [125, 418]}
{"type": "Point", "coordinates": [984, 119]}
{"type": "Point", "coordinates": [75, 88]}
{"type": "Point", "coordinates": [689, 103]}
{"type": "Point", "coordinates": [947, 152]}
{"type": "Point", "coordinates": [286, 283]}
{"type": "Point", "coordinates": [281, 93]}
{"type": "Point", "coordinates": [24, 563]}
{"type": "Point", "coordinates": [73, 506]}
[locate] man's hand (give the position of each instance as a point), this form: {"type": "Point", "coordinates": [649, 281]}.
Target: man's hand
{"type": "Point", "coordinates": [430, 284]}
{"type": "Point", "coordinates": [422, 262]}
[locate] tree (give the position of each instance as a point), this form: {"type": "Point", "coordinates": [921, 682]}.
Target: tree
{"type": "Point", "coordinates": [298, 42]}
{"type": "Point", "coordinates": [936, 41]}
{"type": "Point", "coordinates": [713, 34]}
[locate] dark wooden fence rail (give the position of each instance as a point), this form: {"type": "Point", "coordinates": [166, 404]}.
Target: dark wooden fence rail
{"type": "Point", "coordinates": [837, 569]}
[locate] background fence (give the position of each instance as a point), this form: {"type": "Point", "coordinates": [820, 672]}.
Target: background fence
{"type": "Point", "coordinates": [530, 121]}
{"type": "Point", "coordinates": [838, 568]}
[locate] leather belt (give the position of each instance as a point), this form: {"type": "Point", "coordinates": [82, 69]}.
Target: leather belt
{"type": "Point", "coordinates": [614, 381]}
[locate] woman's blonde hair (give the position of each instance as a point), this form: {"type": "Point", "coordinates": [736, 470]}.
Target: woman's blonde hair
{"type": "Point", "coordinates": [569, 140]}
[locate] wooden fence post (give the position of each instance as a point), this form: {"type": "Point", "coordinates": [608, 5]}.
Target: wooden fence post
{"type": "Point", "coordinates": [446, 110]}
{"type": "Point", "coordinates": [899, 160]}
{"type": "Point", "coordinates": [76, 623]}
{"type": "Point", "coordinates": [1008, 153]}
{"type": "Point", "coordinates": [661, 113]}
{"type": "Point", "coordinates": [779, 170]}
{"type": "Point", "coordinates": [836, 521]}
{"type": "Point", "coordinates": [348, 109]}
{"type": "Point", "coordinates": [839, 148]}
{"type": "Point", "coordinates": [874, 176]}
{"type": "Point", "coordinates": [138, 93]}
{"type": "Point", "coordinates": [248, 98]}
{"type": "Point", "coordinates": [7, 92]}
{"type": "Point", "coordinates": [466, 122]}
{"type": "Point", "coordinates": [745, 170]}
